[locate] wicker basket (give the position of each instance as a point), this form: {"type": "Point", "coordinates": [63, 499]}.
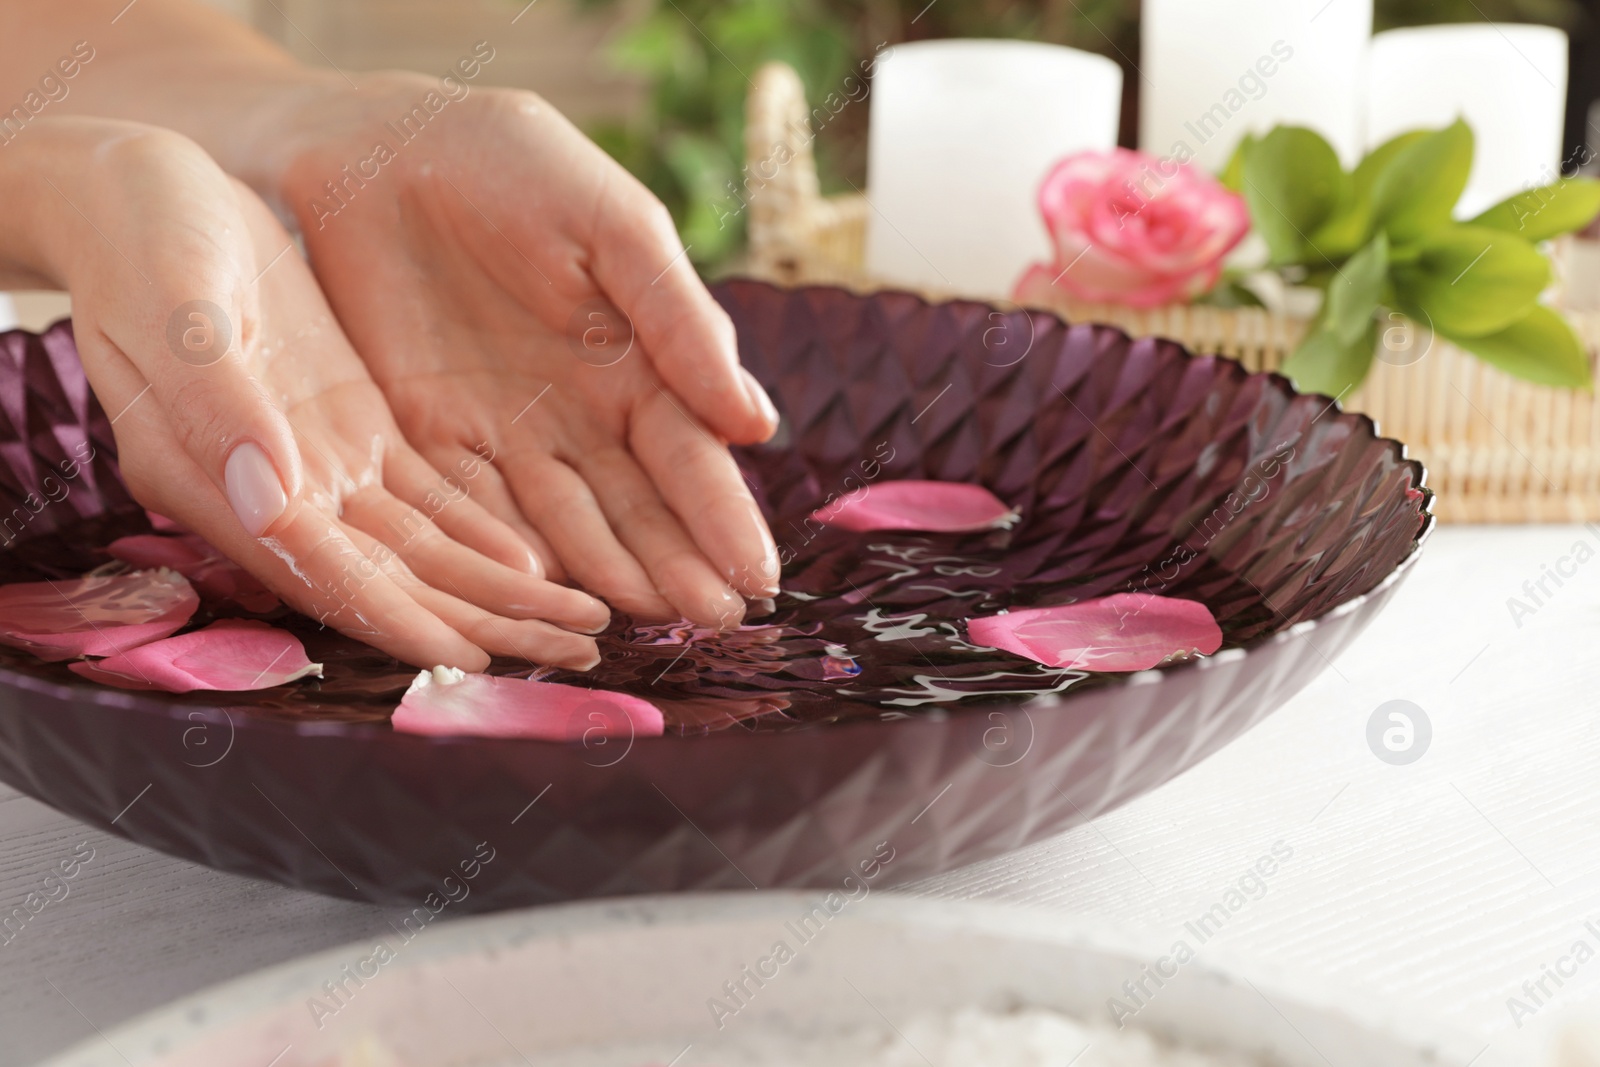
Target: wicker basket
{"type": "Point", "coordinates": [1497, 449]}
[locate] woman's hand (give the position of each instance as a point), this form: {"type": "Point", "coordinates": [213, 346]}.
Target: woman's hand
{"type": "Point", "coordinates": [241, 411]}
{"type": "Point", "coordinates": [470, 240]}
{"type": "Point", "coordinates": [507, 283]}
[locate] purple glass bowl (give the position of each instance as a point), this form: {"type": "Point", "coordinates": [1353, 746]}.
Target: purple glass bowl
{"type": "Point", "coordinates": [1135, 464]}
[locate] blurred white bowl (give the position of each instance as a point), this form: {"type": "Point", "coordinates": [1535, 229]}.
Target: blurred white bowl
{"type": "Point", "coordinates": [633, 981]}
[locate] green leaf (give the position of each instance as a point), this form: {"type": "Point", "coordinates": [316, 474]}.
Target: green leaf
{"type": "Point", "coordinates": [712, 221]}
{"type": "Point", "coordinates": [658, 47]}
{"type": "Point", "coordinates": [1541, 347]}
{"type": "Point", "coordinates": [1292, 183]}
{"type": "Point", "coordinates": [1352, 223]}
{"type": "Point", "coordinates": [747, 29]}
{"type": "Point", "coordinates": [1415, 190]}
{"type": "Point", "coordinates": [1232, 175]}
{"type": "Point", "coordinates": [1325, 364]}
{"type": "Point", "coordinates": [1471, 280]}
{"type": "Point", "coordinates": [1375, 162]}
{"type": "Point", "coordinates": [1353, 294]}
{"type": "Point", "coordinates": [1546, 212]}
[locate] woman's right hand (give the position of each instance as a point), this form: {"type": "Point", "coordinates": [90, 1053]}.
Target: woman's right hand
{"type": "Point", "coordinates": [241, 411]}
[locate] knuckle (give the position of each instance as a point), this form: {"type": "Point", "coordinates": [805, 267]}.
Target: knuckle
{"type": "Point", "coordinates": [655, 217]}
{"type": "Point", "coordinates": [204, 426]}
{"type": "Point", "coordinates": [497, 101]}
{"type": "Point", "coordinates": [139, 147]}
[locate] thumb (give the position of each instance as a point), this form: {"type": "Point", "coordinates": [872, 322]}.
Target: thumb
{"type": "Point", "coordinates": [221, 414]}
{"type": "Point", "coordinates": [147, 233]}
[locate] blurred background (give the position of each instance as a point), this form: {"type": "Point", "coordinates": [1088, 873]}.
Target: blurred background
{"type": "Point", "coordinates": [661, 83]}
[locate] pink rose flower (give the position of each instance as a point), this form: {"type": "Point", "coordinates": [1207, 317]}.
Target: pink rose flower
{"type": "Point", "coordinates": [1132, 229]}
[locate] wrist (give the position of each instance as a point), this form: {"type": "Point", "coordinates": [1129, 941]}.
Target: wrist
{"type": "Point", "coordinates": [273, 118]}
{"type": "Point", "coordinates": [107, 193]}
{"type": "Point", "coordinates": [38, 170]}
{"type": "Point", "coordinates": [325, 140]}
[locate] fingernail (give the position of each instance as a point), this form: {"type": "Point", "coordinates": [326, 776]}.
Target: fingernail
{"type": "Point", "coordinates": [759, 397]}
{"type": "Point", "coordinates": [253, 487]}
{"type": "Point", "coordinates": [764, 583]}
{"type": "Point", "coordinates": [728, 607]}
{"type": "Point", "coordinates": [770, 570]}
{"type": "Point", "coordinates": [591, 664]}
{"type": "Point", "coordinates": [592, 608]}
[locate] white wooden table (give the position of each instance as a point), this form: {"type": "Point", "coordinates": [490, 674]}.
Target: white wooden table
{"type": "Point", "coordinates": [1441, 885]}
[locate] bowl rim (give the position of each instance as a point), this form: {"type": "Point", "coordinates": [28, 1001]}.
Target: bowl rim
{"type": "Point", "coordinates": [167, 1029]}
{"type": "Point", "coordinates": [251, 721]}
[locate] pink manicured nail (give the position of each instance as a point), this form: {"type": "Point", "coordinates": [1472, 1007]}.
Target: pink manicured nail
{"type": "Point", "coordinates": [766, 582]}
{"type": "Point", "coordinates": [254, 490]}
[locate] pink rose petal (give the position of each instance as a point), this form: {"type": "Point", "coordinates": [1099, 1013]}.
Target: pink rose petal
{"type": "Point", "coordinates": [447, 701]}
{"type": "Point", "coordinates": [938, 507]}
{"type": "Point", "coordinates": [96, 615]}
{"type": "Point", "coordinates": [162, 524]}
{"type": "Point", "coordinates": [159, 550]}
{"type": "Point", "coordinates": [1122, 632]}
{"type": "Point", "coordinates": [214, 575]}
{"type": "Point", "coordinates": [232, 656]}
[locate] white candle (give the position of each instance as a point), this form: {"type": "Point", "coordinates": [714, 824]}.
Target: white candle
{"type": "Point", "coordinates": [1508, 81]}
{"type": "Point", "coordinates": [962, 133]}
{"type": "Point", "coordinates": [1214, 70]}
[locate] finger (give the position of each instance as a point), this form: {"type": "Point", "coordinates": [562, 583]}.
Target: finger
{"type": "Point", "coordinates": [702, 485]}
{"type": "Point", "coordinates": [564, 509]}
{"type": "Point", "coordinates": [337, 583]}
{"type": "Point", "coordinates": [310, 561]}
{"type": "Point", "coordinates": [446, 500]}
{"type": "Point", "coordinates": [641, 264]}
{"type": "Point", "coordinates": [532, 641]}
{"type": "Point", "coordinates": [443, 563]}
{"type": "Point", "coordinates": [653, 534]}
{"type": "Point", "coordinates": [196, 327]}
{"type": "Point", "coordinates": [529, 640]}
{"type": "Point", "coordinates": [220, 415]}
{"type": "Point", "coordinates": [489, 491]}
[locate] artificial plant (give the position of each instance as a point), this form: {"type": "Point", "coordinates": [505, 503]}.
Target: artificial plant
{"type": "Point", "coordinates": [1384, 236]}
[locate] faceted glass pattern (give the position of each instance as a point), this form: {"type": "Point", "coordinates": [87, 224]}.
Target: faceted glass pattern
{"type": "Point", "coordinates": [1292, 520]}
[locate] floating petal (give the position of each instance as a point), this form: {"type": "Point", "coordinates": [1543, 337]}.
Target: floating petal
{"type": "Point", "coordinates": [95, 615]}
{"type": "Point", "coordinates": [1122, 632]}
{"type": "Point", "coordinates": [159, 550]}
{"type": "Point", "coordinates": [233, 655]}
{"type": "Point", "coordinates": [447, 701]}
{"type": "Point", "coordinates": [162, 524]}
{"type": "Point", "coordinates": [214, 575]}
{"type": "Point", "coordinates": [937, 507]}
